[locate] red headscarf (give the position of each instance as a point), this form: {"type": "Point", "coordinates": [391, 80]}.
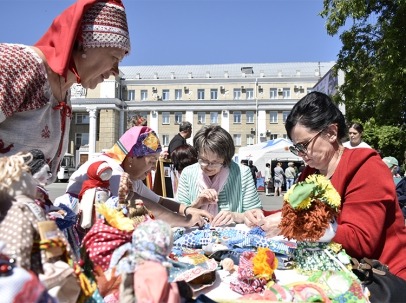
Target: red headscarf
{"type": "Point", "coordinates": [58, 41]}
{"type": "Point", "coordinates": [94, 181]}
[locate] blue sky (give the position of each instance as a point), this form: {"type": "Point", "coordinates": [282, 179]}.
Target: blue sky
{"type": "Point", "coordinates": [183, 32]}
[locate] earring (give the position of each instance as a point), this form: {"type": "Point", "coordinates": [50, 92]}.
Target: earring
{"type": "Point", "coordinates": [84, 56]}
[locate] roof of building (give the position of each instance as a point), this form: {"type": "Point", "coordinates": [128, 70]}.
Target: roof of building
{"type": "Point", "coordinates": [236, 70]}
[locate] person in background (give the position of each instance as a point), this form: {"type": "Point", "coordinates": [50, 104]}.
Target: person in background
{"type": "Point", "coordinates": [137, 120]}
{"type": "Point", "coordinates": [278, 179]}
{"type": "Point", "coordinates": [392, 164]}
{"type": "Point", "coordinates": [217, 183]}
{"type": "Point", "coordinates": [244, 162]}
{"type": "Point", "coordinates": [355, 133]}
{"type": "Point", "coordinates": [254, 171]}
{"type": "Point", "coordinates": [316, 126]}
{"type": "Point", "coordinates": [268, 179]}
{"type": "Point", "coordinates": [84, 45]}
{"type": "Point", "coordinates": [136, 153]}
{"type": "Point", "coordinates": [182, 156]}
{"type": "Point", "coordinates": [185, 131]}
{"type": "Point", "coordinates": [290, 175]}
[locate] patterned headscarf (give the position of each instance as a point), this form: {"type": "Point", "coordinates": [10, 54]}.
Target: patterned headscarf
{"type": "Point", "coordinates": [93, 23]}
{"type": "Point", "coordinates": [138, 141]}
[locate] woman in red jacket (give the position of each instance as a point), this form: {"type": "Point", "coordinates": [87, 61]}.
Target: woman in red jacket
{"type": "Point", "coordinates": [371, 222]}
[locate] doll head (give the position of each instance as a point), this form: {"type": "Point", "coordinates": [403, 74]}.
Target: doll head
{"type": "Point", "coordinates": [15, 178]}
{"type": "Point", "coordinates": [39, 167]}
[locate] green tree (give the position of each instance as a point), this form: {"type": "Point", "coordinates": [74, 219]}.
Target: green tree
{"type": "Point", "coordinates": [373, 58]}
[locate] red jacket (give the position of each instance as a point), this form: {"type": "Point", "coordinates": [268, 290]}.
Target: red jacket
{"type": "Point", "coordinates": [371, 223]}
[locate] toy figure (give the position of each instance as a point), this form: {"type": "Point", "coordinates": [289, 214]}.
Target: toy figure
{"type": "Point", "coordinates": [94, 190]}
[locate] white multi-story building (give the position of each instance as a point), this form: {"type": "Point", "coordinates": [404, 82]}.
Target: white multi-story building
{"type": "Point", "coordinates": [251, 101]}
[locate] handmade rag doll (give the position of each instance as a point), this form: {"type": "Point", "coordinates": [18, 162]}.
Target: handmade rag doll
{"type": "Point", "coordinates": [308, 215]}
{"type": "Point", "coordinates": [148, 252]}
{"type": "Point", "coordinates": [34, 242]}
{"type": "Point", "coordinates": [94, 190]}
{"type": "Point", "coordinates": [40, 171]}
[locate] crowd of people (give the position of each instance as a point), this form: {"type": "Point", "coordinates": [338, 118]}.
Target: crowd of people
{"type": "Point", "coordinates": [85, 45]}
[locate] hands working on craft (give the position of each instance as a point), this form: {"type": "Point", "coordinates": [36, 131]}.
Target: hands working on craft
{"type": "Point", "coordinates": [216, 183]}
{"type": "Point", "coordinates": [210, 196]}
{"type": "Point", "coordinates": [269, 224]}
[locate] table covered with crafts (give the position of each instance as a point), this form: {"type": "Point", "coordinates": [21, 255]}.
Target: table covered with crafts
{"type": "Point", "coordinates": [235, 263]}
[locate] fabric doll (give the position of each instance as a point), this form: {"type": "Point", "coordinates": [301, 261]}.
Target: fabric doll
{"type": "Point", "coordinates": [39, 168]}
{"type": "Point", "coordinates": [94, 190]}
{"type": "Point", "coordinates": [151, 244]}
{"type": "Point", "coordinates": [308, 215]}
{"type": "Point", "coordinates": [25, 226]}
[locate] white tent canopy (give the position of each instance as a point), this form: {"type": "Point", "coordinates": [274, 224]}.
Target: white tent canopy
{"type": "Point", "coordinates": [267, 152]}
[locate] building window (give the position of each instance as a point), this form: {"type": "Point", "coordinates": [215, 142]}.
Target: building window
{"type": "Point", "coordinates": [82, 118]}
{"type": "Point", "coordinates": [237, 139]}
{"type": "Point", "coordinates": [165, 94]}
{"type": "Point", "coordinates": [178, 94]}
{"type": "Point", "coordinates": [213, 93]}
{"type": "Point", "coordinates": [309, 90]}
{"type": "Point", "coordinates": [165, 140]}
{"type": "Point", "coordinates": [285, 116]}
{"type": "Point", "coordinates": [237, 117]}
{"type": "Point", "coordinates": [250, 139]}
{"type": "Point", "coordinates": [249, 93]}
{"type": "Point", "coordinates": [237, 93]}
{"type": "Point", "coordinates": [286, 93]}
{"type": "Point", "coordinates": [81, 139]}
{"type": "Point", "coordinates": [273, 93]}
{"type": "Point", "coordinates": [285, 136]}
{"type": "Point", "coordinates": [131, 94]}
{"type": "Point", "coordinates": [201, 118]}
{"type": "Point", "coordinates": [273, 136]}
{"type": "Point", "coordinates": [178, 117]}
{"type": "Point", "coordinates": [200, 94]}
{"type": "Point", "coordinates": [144, 95]}
{"type": "Point", "coordinates": [166, 118]}
{"type": "Point", "coordinates": [273, 117]}
{"type": "Point", "coordinates": [214, 118]}
{"type": "Point", "coordinates": [250, 117]}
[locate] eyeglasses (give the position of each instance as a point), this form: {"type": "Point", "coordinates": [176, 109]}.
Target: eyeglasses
{"type": "Point", "coordinates": [302, 147]}
{"type": "Point", "coordinates": [207, 163]}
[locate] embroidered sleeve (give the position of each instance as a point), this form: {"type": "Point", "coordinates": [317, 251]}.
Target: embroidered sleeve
{"type": "Point", "coordinates": [21, 80]}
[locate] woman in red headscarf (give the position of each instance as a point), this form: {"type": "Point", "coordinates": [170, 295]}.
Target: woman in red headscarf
{"type": "Point", "coordinates": [83, 45]}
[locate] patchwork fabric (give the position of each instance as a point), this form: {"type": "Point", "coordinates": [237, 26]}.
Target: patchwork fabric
{"type": "Point", "coordinates": [236, 240]}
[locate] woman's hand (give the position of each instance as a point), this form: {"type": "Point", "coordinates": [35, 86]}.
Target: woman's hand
{"type": "Point", "coordinates": [252, 217]}
{"type": "Point", "coordinates": [194, 219]}
{"type": "Point", "coordinates": [208, 217]}
{"type": "Point", "coordinates": [207, 196]}
{"type": "Point", "coordinates": [223, 218]}
{"type": "Point", "coordinates": [270, 224]}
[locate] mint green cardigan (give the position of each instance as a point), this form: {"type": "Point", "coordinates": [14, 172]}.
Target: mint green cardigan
{"type": "Point", "coordinates": [238, 195]}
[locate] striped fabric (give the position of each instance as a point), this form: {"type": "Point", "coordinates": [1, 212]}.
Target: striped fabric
{"type": "Point", "coordinates": [238, 195]}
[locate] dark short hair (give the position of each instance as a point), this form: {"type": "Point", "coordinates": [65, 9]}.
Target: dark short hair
{"type": "Point", "coordinates": [217, 140]}
{"type": "Point", "coordinates": [184, 126]}
{"type": "Point", "coordinates": [183, 156]}
{"type": "Point", "coordinates": [250, 162]}
{"type": "Point", "coordinates": [268, 165]}
{"type": "Point", "coordinates": [316, 111]}
{"type": "Point", "coordinates": [357, 126]}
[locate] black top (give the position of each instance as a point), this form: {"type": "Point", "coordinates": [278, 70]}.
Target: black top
{"type": "Point", "coordinates": [176, 141]}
